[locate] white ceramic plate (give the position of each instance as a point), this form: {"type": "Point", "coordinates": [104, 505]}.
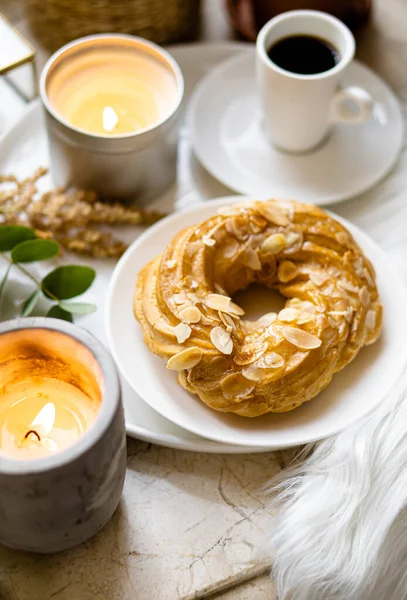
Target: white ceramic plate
{"type": "Point", "coordinates": [24, 148]}
{"type": "Point", "coordinates": [229, 140]}
{"type": "Point", "coordinates": [353, 392]}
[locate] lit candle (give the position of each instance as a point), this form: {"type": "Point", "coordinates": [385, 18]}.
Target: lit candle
{"type": "Point", "coordinates": [113, 110]}
{"type": "Point", "coordinates": [62, 435]}
{"type": "Point", "coordinates": [113, 90]}
{"type": "Point", "coordinates": [41, 416]}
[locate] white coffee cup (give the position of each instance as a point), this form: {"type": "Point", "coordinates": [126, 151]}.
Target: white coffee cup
{"type": "Point", "coordinates": [299, 110]}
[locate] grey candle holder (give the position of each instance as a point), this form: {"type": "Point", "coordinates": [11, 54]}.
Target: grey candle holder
{"type": "Point", "coordinates": [54, 503]}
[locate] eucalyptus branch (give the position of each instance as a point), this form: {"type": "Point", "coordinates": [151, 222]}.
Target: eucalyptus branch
{"type": "Point", "coordinates": [61, 284]}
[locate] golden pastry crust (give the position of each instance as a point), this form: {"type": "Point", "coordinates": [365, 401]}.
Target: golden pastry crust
{"type": "Point", "coordinates": [183, 303]}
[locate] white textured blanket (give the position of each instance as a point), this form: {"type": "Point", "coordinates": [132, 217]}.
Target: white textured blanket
{"type": "Point", "coordinates": [341, 530]}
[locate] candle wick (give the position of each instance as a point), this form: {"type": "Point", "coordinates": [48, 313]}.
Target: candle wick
{"type": "Point", "coordinates": [34, 432]}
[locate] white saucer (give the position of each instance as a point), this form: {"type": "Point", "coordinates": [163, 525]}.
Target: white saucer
{"type": "Point", "coordinates": [358, 389]}
{"type": "Point", "coordinates": [229, 141]}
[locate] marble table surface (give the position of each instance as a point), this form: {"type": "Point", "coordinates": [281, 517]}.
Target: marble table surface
{"type": "Point", "coordinates": [188, 522]}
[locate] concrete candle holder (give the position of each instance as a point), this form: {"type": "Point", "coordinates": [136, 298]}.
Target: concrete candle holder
{"type": "Point", "coordinates": [53, 503]}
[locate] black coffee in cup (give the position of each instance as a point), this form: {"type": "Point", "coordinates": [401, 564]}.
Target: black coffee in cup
{"type": "Point", "coordinates": [304, 54]}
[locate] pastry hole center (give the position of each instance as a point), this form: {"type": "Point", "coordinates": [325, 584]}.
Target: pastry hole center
{"type": "Point", "coordinates": [257, 300]}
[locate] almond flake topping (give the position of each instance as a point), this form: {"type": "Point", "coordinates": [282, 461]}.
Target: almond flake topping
{"type": "Point", "coordinates": [208, 240]}
{"type": "Point", "coordinates": [370, 319]}
{"type": "Point", "coordinates": [236, 387]}
{"type": "Point", "coordinates": [179, 298]}
{"type": "Point", "coordinates": [170, 264]}
{"type": "Point", "coordinates": [273, 213]}
{"type": "Point", "coordinates": [358, 265]}
{"type": "Point", "coordinates": [190, 314]}
{"type": "Point", "coordinates": [342, 237]}
{"type": "Point", "coordinates": [218, 302]}
{"type": "Point", "coordinates": [266, 319]}
{"type": "Point", "coordinates": [252, 260]}
{"type": "Point", "coordinates": [301, 339]}
{"type": "Point", "coordinates": [222, 340]}
{"type": "Point", "coordinates": [318, 278]}
{"type": "Point", "coordinates": [305, 317]}
{"type": "Point", "coordinates": [182, 332]}
{"type": "Point", "coordinates": [228, 211]}
{"type": "Point", "coordinates": [235, 310]}
{"type": "Point", "coordinates": [286, 271]}
{"type": "Point", "coordinates": [192, 247]}
{"type": "Point", "coordinates": [186, 359]}
{"type": "Point", "coordinates": [274, 244]}
{"type": "Point", "coordinates": [288, 314]}
{"type": "Point", "coordinates": [251, 352]}
{"type": "Point", "coordinates": [292, 238]}
{"type": "Point", "coordinates": [227, 321]}
{"type": "Point", "coordinates": [364, 296]}
{"type": "Point", "coordinates": [348, 286]}
{"type": "Point", "coordinates": [368, 277]}
{"type": "Point", "coordinates": [253, 373]}
{"type": "Point", "coordinates": [270, 360]}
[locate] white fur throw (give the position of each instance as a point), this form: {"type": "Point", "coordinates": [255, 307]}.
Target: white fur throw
{"type": "Point", "coordinates": [341, 530]}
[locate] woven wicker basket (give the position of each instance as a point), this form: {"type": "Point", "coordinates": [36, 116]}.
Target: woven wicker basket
{"type": "Point", "coordinates": [56, 22]}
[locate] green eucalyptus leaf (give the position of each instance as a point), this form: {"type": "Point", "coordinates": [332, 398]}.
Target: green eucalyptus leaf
{"type": "Point", "coordinates": [30, 303]}
{"type": "Point", "coordinates": [34, 250]}
{"type": "Point", "coordinates": [68, 281]}
{"type": "Point", "coordinates": [11, 235]}
{"type": "Point", "coordinates": [58, 313]}
{"type": "Point", "coordinates": [79, 308]}
{"type": "Point", "coordinates": [3, 281]}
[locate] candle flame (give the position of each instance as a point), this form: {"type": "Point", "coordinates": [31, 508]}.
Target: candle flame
{"type": "Point", "coordinates": [110, 118]}
{"type": "Point", "coordinates": [45, 419]}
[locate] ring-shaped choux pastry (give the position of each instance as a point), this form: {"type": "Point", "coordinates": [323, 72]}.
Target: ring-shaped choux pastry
{"type": "Point", "coordinates": [184, 304]}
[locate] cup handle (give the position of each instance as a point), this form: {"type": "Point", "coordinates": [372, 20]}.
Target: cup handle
{"type": "Point", "coordinates": [351, 105]}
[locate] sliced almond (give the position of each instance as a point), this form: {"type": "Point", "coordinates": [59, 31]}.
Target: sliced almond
{"type": "Point", "coordinates": [342, 237]}
{"type": "Point", "coordinates": [286, 271]}
{"type": "Point", "coordinates": [218, 302]}
{"type": "Point", "coordinates": [364, 296]}
{"type": "Point", "coordinates": [273, 213]}
{"type": "Point", "coordinates": [220, 290]}
{"type": "Point", "coordinates": [227, 321]}
{"type": "Point", "coordinates": [318, 278]}
{"type": "Point", "coordinates": [349, 314]}
{"type": "Point", "coordinates": [328, 291]}
{"type": "Point", "coordinates": [358, 265]}
{"type": "Point", "coordinates": [236, 387]}
{"type": "Point", "coordinates": [291, 238]}
{"type": "Point", "coordinates": [257, 224]}
{"type": "Point", "coordinates": [288, 314]}
{"type": "Point", "coordinates": [234, 309]}
{"type": "Point", "coordinates": [348, 286]}
{"type": "Point", "coordinates": [236, 228]}
{"type": "Point", "coordinates": [231, 248]}
{"type": "Point", "coordinates": [333, 322]}
{"type": "Point", "coordinates": [186, 359]}
{"type": "Point", "coordinates": [228, 211]}
{"type": "Point", "coordinates": [182, 332]}
{"type": "Point", "coordinates": [305, 317]}
{"type": "Point", "coordinates": [207, 240]}
{"type": "Point", "coordinates": [270, 360]}
{"type": "Point", "coordinates": [370, 321]}
{"type": "Point", "coordinates": [194, 297]}
{"type": "Point", "coordinates": [218, 365]}
{"type": "Point", "coordinates": [170, 264]}
{"type": "Point", "coordinates": [274, 244]}
{"type": "Point", "coordinates": [252, 260]}
{"type": "Point", "coordinates": [266, 320]}
{"type": "Point", "coordinates": [368, 277]}
{"type": "Point", "coordinates": [179, 298]}
{"type": "Point", "coordinates": [301, 339]}
{"type": "Point", "coordinates": [192, 247]}
{"type": "Point", "coordinates": [222, 340]}
{"type": "Point", "coordinates": [249, 353]}
{"type": "Point", "coordinates": [253, 373]}
{"type": "Point", "coordinates": [190, 314]}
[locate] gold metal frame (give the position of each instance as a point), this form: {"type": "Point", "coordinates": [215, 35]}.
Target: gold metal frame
{"type": "Point", "coordinates": [29, 59]}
